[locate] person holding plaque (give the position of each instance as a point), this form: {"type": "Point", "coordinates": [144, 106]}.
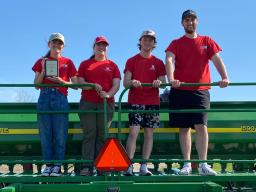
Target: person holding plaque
{"type": "Point", "coordinates": [53, 68]}
{"type": "Point", "coordinates": [105, 76]}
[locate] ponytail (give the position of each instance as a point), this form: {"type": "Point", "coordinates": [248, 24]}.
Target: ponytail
{"type": "Point", "coordinates": [47, 54]}
{"type": "Point", "coordinates": [92, 57]}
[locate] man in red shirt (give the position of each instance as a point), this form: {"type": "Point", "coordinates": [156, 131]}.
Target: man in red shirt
{"type": "Point", "coordinates": [187, 60]}
{"type": "Point", "coordinates": [143, 68]}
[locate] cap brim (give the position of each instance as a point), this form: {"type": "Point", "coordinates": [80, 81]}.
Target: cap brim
{"type": "Point", "coordinates": [148, 36]}
{"type": "Point", "coordinates": [189, 15]}
{"type": "Point", "coordinates": [58, 39]}
{"type": "Point", "coordinates": [102, 42]}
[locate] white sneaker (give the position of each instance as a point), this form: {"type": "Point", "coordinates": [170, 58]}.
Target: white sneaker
{"type": "Point", "coordinates": [129, 171]}
{"type": "Point", "coordinates": [186, 169]}
{"type": "Point", "coordinates": [144, 170]}
{"type": "Point", "coordinates": [205, 169]}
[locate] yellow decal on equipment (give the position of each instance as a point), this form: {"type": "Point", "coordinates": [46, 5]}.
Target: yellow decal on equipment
{"type": "Point", "coordinates": [248, 128]}
{"type": "Point", "coordinates": [34, 131]}
{"type": "Point", "coordinates": [4, 130]}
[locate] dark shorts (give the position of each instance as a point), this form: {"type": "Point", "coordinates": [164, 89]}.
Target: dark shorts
{"type": "Point", "coordinates": [184, 99]}
{"type": "Point", "coordinates": [145, 120]}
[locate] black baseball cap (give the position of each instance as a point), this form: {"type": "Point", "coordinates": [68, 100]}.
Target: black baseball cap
{"type": "Point", "coordinates": [188, 13]}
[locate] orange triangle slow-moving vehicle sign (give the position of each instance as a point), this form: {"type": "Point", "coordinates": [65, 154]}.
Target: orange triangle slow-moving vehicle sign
{"type": "Point", "coordinates": [112, 157]}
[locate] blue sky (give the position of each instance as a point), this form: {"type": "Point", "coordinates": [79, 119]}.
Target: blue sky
{"type": "Point", "coordinates": [26, 26]}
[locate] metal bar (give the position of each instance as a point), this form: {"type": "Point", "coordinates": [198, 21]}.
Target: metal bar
{"type": "Point", "coordinates": [47, 85]}
{"type": "Point", "coordinates": [183, 110]}
{"type": "Point", "coordinates": [126, 111]}
{"type": "Point", "coordinates": [143, 84]}
{"type": "Point", "coordinates": [120, 111]}
{"type": "Point", "coordinates": [105, 119]}
{"type": "Point", "coordinates": [135, 161]}
{"type": "Point", "coordinates": [189, 111]}
{"type": "Point", "coordinates": [201, 84]}
{"type": "Point", "coordinates": [47, 112]}
{"type": "Point", "coordinates": [43, 161]}
{"type": "Point", "coordinates": [246, 177]}
{"type": "Point", "coordinates": [124, 187]}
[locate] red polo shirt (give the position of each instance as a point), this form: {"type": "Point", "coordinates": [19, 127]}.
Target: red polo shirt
{"type": "Point", "coordinates": [145, 70]}
{"type": "Point", "coordinates": [66, 71]}
{"type": "Point", "coordinates": [192, 60]}
{"type": "Point", "coordinates": [100, 72]}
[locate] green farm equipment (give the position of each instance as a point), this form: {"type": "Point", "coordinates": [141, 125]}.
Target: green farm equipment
{"type": "Point", "coordinates": [232, 151]}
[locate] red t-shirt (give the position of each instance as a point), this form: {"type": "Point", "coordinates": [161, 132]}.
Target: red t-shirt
{"type": "Point", "coordinates": [66, 71]}
{"type": "Point", "coordinates": [192, 60]}
{"type": "Point", "coordinates": [145, 70]}
{"type": "Point", "coordinates": [100, 72]}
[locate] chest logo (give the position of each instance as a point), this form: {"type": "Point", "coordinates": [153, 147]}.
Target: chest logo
{"type": "Point", "coordinates": [107, 69]}
{"type": "Point", "coordinates": [203, 47]}
{"type": "Point", "coordinates": [65, 65]}
{"type": "Point", "coordinates": [152, 68]}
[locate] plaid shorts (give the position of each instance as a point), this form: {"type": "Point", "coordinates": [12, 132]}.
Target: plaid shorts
{"type": "Point", "coordinates": [145, 120]}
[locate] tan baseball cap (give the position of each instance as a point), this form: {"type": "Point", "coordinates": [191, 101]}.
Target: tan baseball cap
{"type": "Point", "coordinates": [58, 36]}
{"type": "Point", "coordinates": [148, 32]}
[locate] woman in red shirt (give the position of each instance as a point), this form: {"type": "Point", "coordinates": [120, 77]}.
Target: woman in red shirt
{"type": "Point", "coordinates": [105, 75]}
{"type": "Point", "coordinates": [53, 128]}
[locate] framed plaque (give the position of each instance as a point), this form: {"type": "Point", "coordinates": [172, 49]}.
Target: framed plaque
{"type": "Point", "coordinates": [51, 68]}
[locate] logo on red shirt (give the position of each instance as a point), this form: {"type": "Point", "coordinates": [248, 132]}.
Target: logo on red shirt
{"type": "Point", "coordinates": [203, 47]}
{"type": "Point", "coordinates": [152, 68]}
{"type": "Point", "coordinates": [108, 69]}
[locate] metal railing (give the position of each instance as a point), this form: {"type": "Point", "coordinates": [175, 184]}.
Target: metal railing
{"type": "Point", "coordinates": [180, 110]}
{"type": "Point", "coordinates": [59, 112]}
{"type": "Point", "coordinates": [120, 111]}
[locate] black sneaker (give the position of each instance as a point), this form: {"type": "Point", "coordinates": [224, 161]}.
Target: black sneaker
{"type": "Point", "coordinates": [86, 171]}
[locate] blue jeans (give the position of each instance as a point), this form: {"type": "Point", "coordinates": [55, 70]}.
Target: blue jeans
{"type": "Point", "coordinates": [53, 128]}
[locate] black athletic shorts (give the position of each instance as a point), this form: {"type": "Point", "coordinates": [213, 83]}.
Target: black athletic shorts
{"type": "Point", "coordinates": [186, 99]}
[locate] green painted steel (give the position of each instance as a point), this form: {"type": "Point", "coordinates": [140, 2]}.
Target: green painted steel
{"type": "Point", "coordinates": [9, 189]}
{"type": "Point", "coordinates": [46, 85]}
{"type": "Point", "coordinates": [144, 84]}
{"type": "Point", "coordinates": [235, 144]}
{"type": "Point", "coordinates": [114, 186]}
{"type": "Point", "coordinates": [232, 127]}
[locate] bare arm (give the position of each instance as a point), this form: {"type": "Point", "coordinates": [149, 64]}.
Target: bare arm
{"type": "Point", "coordinates": [115, 87]}
{"type": "Point", "coordinates": [169, 67]}
{"type": "Point", "coordinates": [81, 80]}
{"type": "Point", "coordinates": [159, 81]}
{"type": "Point", "coordinates": [128, 81]}
{"type": "Point", "coordinates": [74, 80]}
{"type": "Point", "coordinates": [38, 78]}
{"type": "Point", "coordinates": [220, 66]}
{"type": "Point", "coordinates": [162, 78]}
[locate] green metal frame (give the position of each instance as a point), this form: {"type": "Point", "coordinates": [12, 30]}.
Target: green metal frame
{"type": "Point", "coordinates": [114, 181]}
{"type": "Point", "coordinates": [114, 186]}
